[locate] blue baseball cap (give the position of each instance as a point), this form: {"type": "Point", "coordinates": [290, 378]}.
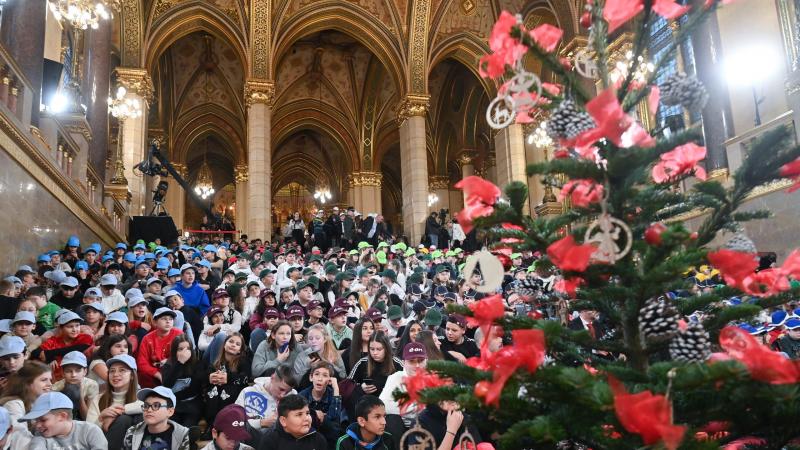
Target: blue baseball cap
{"type": "Point", "coordinates": [13, 279]}
{"type": "Point", "coordinates": [67, 317]}
{"type": "Point", "coordinates": [108, 279]}
{"type": "Point", "coordinates": [204, 263]}
{"type": "Point", "coordinates": [209, 248]}
{"type": "Point", "coordinates": [74, 357]}
{"type": "Point", "coordinates": [92, 249]}
{"type": "Point", "coordinates": [141, 261]}
{"type": "Point", "coordinates": [173, 273]}
{"type": "Point", "coordinates": [11, 345]}
{"type": "Point", "coordinates": [93, 292]}
{"type": "Point", "coordinates": [187, 267]}
{"type": "Point", "coordinates": [121, 245]}
{"type": "Point", "coordinates": [5, 325]}
{"type": "Point", "coordinates": [129, 257]}
{"type": "Point", "coordinates": [53, 252]}
{"type": "Point", "coordinates": [70, 282]}
{"type": "Point", "coordinates": [139, 246]}
{"type": "Point", "coordinates": [23, 316]}
{"type": "Point", "coordinates": [133, 292]}
{"type": "Point", "coordinates": [778, 318]}
{"type": "Point", "coordinates": [792, 324]}
{"type": "Point", "coordinates": [73, 241]}
{"type": "Point", "coordinates": [43, 258]}
{"type": "Point", "coordinates": [97, 306]}
{"type": "Point", "coordinates": [135, 300]}
{"type": "Point", "coordinates": [106, 258]}
{"type": "Point", "coordinates": [25, 268]}
{"type": "Point", "coordinates": [124, 359]}
{"type": "Point", "coordinates": [152, 280]}
{"type": "Point", "coordinates": [57, 276]}
{"type": "Point", "coordinates": [164, 311]}
{"type": "Point", "coordinates": [172, 292]}
{"type": "Point", "coordinates": [162, 264]}
{"type": "Point", "coordinates": [149, 255]}
{"type": "Point", "coordinates": [46, 403]}
{"type": "Point", "coordinates": [81, 265]}
{"type": "Point", "coordinates": [158, 391]}
{"type": "Point", "coordinates": [117, 316]}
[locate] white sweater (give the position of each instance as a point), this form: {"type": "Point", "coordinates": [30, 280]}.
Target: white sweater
{"type": "Point", "coordinates": [395, 381]}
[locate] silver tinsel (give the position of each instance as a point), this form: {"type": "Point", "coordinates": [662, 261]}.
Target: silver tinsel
{"type": "Point", "coordinates": [658, 320]}
{"type": "Point", "coordinates": [691, 344]}
{"type": "Point", "coordinates": [568, 121]}
{"type": "Point", "coordinates": [684, 90]}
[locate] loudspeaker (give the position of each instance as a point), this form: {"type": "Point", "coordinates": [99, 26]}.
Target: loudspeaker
{"type": "Point", "coordinates": [151, 227]}
{"type": "Point", "coordinates": [51, 76]}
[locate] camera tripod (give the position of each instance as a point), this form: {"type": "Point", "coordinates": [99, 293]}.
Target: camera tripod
{"type": "Point", "coordinates": [158, 209]}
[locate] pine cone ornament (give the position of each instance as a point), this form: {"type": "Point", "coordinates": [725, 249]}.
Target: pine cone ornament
{"type": "Point", "coordinates": [691, 344]}
{"type": "Point", "coordinates": [741, 243]}
{"type": "Point", "coordinates": [658, 320]}
{"type": "Point", "coordinates": [684, 90]}
{"type": "Point", "coordinates": [527, 288]}
{"type": "Point", "coordinates": [568, 121]}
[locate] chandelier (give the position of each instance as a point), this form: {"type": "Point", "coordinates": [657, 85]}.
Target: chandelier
{"type": "Point", "coordinates": [204, 185]}
{"type": "Point", "coordinates": [432, 199]}
{"type": "Point", "coordinates": [322, 195]}
{"type": "Point", "coordinates": [539, 137]}
{"type": "Point", "coordinates": [83, 14]}
{"type": "Point", "coordinates": [123, 107]}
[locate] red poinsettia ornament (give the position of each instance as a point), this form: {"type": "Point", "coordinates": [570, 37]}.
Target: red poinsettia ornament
{"type": "Point", "coordinates": [479, 199]}
{"type": "Point", "coordinates": [646, 414]}
{"type": "Point", "coordinates": [486, 311]}
{"type": "Point", "coordinates": [681, 160]}
{"type": "Point", "coordinates": [792, 170]}
{"type": "Point", "coordinates": [762, 363]}
{"type": "Point", "coordinates": [420, 381]}
{"type": "Point", "coordinates": [582, 192]}
{"type": "Point", "coordinates": [506, 50]}
{"type": "Point", "coordinates": [569, 256]}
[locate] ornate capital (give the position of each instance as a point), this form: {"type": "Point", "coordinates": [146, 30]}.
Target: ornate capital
{"type": "Point", "coordinates": [412, 105]}
{"type": "Point", "coordinates": [182, 170]}
{"type": "Point", "coordinates": [464, 159]}
{"type": "Point", "coordinates": [77, 124]}
{"type": "Point", "coordinates": [259, 91]}
{"type": "Point", "coordinates": [240, 173]}
{"type": "Point", "coordinates": [365, 178]}
{"type": "Point", "coordinates": [118, 192]}
{"type": "Point", "coordinates": [136, 81]}
{"type": "Point", "coordinates": [437, 182]}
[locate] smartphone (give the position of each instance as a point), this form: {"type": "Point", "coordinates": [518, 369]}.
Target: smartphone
{"type": "Point", "coordinates": [314, 355]}
{"type": "Point", "coordinates": [283, 347]}
{"type": "Point", "coordinates": [368, 381]}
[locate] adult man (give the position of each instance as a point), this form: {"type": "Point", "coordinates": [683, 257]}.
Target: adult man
{"type": "Point", "coordinates": [55, 428]}
{"type": "Point", "coordinates": [373, 229]}
{"type": "Point", "coordinates": [348, 229]}
{"type": "Point", "coordinates": [432, 228]}
{"type": "Point", "coordinates": [333, 228]}
{"type": "Point", "coordinates": [193, 295]}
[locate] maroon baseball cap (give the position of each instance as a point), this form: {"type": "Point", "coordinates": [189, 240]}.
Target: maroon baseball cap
{"type": "Point", "coordinates": [295, 311]}
{"type": "Point", "coordinates": [336, 311]}
{"type": "Point", "coordinates": [414, 350]}
{"type": "Point", "coordinates": [458, 319]}
{"type": "Point", "coordinates": [266, 293]}
{"type": "Point", "coordinates": [374, 314]}
{"type": "Point", "coordinates": [220, 293]}
{"type": "Point", "coordinates": [271, 312]}
{"type": "Point", "coordinates": [231, 420]}
{"type": "Point", "coordinates": [313, 304]}
{"type": "Point", "coordinates": [213, 311]}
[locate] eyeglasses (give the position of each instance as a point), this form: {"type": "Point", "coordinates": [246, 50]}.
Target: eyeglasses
{"type": "Point", "coordinates": [153, 406]}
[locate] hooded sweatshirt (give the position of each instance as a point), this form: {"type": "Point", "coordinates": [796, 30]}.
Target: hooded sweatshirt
{"type": "Point", "coordinates": [352, 440]}
{"type": "Point", "coordinates": [278, 439]}
{"type": "Point", "coordinates": [258, 402]}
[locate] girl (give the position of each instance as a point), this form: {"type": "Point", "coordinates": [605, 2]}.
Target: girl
{"type": "Point", "coordinates": [320, 348]}
{"type": "Point", "coordinates": [140, 320]}
{"type": "Point", "coordinates": [211, 327]}
{"type": "Point", "coordinates": [410, 333]}
{"type": "Point", "coordinates": [279, 348]}
{"type": "Point", "coordinates": [262, 320]}
{"type": "Point", "coordinates": [117, 323]}
{"type": "Point", "coordinates": [297, 229]}
{"type": "Point", "coordinates": [113, 345]}
{"type": "Point", "coordinates": [236, 296]}
{"type": "Point", "coordinates": [225, 378]}
{"type": "Point", "coordinates": [94, 318]}
{"type": "Point", "coordinates": [117, 409]}
{"type": "Point", "coordinates": [370, 372]}
{"type": "Point", "coordinates": [431, 343]}
{"type": "Point", "coordinates": [181, 373]}
{"type": "Point", "coordinates": [360, 346]}
{"type": "Point", "coordinates": [68, 338]}
{"type": "Point", "coordinates": [22, 389]}
{"type": "Point", "coordinates": [252, 300]}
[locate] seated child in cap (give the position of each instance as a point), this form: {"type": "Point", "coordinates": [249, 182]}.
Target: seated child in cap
{"type": "Point", "coordinates": [153, 292]}
{"type": "Point", "coordinates": [52, 419]}
{"type": "Point", "coordinates": [68, 338]}
{"type": "Point", "coordinates": [260, 401]}
{"type": "Point", "coordinates": [211, 327]}
{"type": "Point", "coordinates": [117, 409]}
{"type": "Point", "coordinates": [12, 357]}
{"type": "Point", "coordinates": [112, 345]}
{"type": "Point", "coordinates": [369, 429]}
{"type": "Point", "coordinates": [154, 349]}
{"type": "Point", "coordinates": [22, 326]}
{"type": "Point", "coordinates": [157, 431]}
{"type": "Point", "coordinates": [81, 390]}
{"type": "Point", "coordinates": [94, 320]}
{"type": "Point", "coordinates": [293, 430]}
{"type": "Point", "coordinates": [324, 401]}
{"type": "Point", "coordinates": [184, 375]}
{"type": "Point", "coordinates": [45, 309]}
{"type": "Point", "coordinates": [229, 430]}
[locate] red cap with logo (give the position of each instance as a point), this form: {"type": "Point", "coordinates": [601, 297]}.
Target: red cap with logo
{"type": "Point", "coordinates": [231, 420]}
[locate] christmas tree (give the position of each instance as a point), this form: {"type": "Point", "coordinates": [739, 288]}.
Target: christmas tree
{"type": "Point", "coordinates": [656, 378]}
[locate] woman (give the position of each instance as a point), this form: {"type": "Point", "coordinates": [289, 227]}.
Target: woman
{"type": "Point", "coordinates": [113, 345]}
{"type": "Point", "coordinates": [68, 338]}
{"type": "Point", "coordinates": [22, 389]}
{"type": "Point", "coordinates": [117, 409]}
{"type": "Point", "coordinates": [279, 348]}
{"type": "Point", "coordinates": [297, 227]}
{"type": "Point", "coordinates": [181, 373]}
{"type": "Point", "coordinates": [412, 329]}
{"type": "Point", "coordinates": [360, 346]}
{"type": "Point", "coordinates": [370, 373]}
{"type": "Point", "coordinates": [225, 378]}
{"type": "Point", "coordinates": [431, 343]}
{"type": "Point", "coordinates": [320, 346]}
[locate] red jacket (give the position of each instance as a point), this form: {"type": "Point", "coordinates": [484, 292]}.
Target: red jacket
{"type": "Point", "coordinates": [152, 351]}
{"type": "Point", "coordinates": [55, 348]}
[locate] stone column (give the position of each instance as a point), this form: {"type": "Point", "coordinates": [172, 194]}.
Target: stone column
{"type": "Point", "coordinates": [98, 66]}
{"type": "Point", "coordinates": [534, 155]}
{"type": "Point", "coordinates": [414, 165]}
{"type": "Point", "coordinates": [134, 134]}
{"type": "Point", "coordinates": [466, 162]}
{"type": "Point", "coordinates": [509, 146]}
{"type": "Point", "coordinates": [22, 34]}
{"type": "Point", "coordinates": [440, 185]}
{"type": "Point", "coordinates": [80, 132]}
{"type": "Point", "coordinates": [241, 176]}
{"type": "Point", "coordinates": [365, 191]}
{"type": "Point", "coordinates": [259, 95]}
{"type": "Point", "coordinates": [489, 170]}
{"type": "Point", "coordinates": [176, 197]}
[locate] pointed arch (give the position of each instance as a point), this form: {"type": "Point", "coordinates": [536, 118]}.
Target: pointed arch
{"type": "Point", "coordinates": [467, 49]}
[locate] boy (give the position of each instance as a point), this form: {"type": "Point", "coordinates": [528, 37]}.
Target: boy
{"type": "Point", "coordinates": [456, 346]}
{"type": "Point", "coordinates": [45, 310]}
{"type": "Point", "coordinates": [260, 401]}
{"type": "Point", "coordinates": [314, 310]}
{"type": "Point", "coordinates": [112, 297]}
{"type": "Point", "coordinates": [23, 324]}
{"type": "Point", "coordinates": [80, 390]}
{"type": "Point", "coordinates": [12, 357]}
{"type": "Point", "coordinates": [324, 401]}
{"type": "Point", "coordinates": [341, 334]}
{"type": "Point", "coordinates": [368, 431]}
{"type": "Point", "coordinates": [229, 430]}
{"type": "Point", "coordinates": [55, 429]}
{"type": "Point", "coordinates": [156, 431]}
{"type": "Point", "coordinates": [293, 430]}
{"type": "Point", "coordinates": [154, 349]}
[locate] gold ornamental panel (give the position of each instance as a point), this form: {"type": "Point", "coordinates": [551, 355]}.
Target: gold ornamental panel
{"type": "Point", "coordinates": [240, 173]}
{"type": "Point", "coordinates": [136, 81]}
{"type": "Point", "coordinates": [413, 105]}
{"type": "Point", "coordinates": [365, 178]}
{"type": "Point", "coordinates": [438, 182]}
{"type": "Point", "coordinates": [259, 91]}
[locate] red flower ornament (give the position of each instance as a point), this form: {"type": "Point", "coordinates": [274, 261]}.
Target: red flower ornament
{"type": "Point", "coordinates": [681, 160]}
{"type": "Point", "coordinates": [734, 266]}
{"type": "Point", "coordinates": [420, 381]}
{"type": "Point", "coordinates": [646, 414]}
{"type": "Point", "coordinates": [618, 12]}
{"type": "Point", "coordinates": [505, 49]}
{"type": "Point", "coordinates": [547, 36]}
{"type": "Point", "coordinates": [762, 363]}
{"type": "Point", "coordinates": [480, 197]}
{"type": "Point", "coordinates": [792, 170]}
{"type": "Point", "coordinates": [569, 256]}
{"type": "Point", "coordinates": [486, 311]}
{"type": "Point", "coordinates": [582, 192]}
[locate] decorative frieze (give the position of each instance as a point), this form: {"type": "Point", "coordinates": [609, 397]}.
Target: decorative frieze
{"type": "Point", "coordinates": [365, 178]}
{"type": "Point", "coordinates": [259, 91]}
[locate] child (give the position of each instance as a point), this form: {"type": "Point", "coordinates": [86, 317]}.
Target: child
{"type": "Point", "coordinates": [139, 317]}
{"type": "Point", "coordinates": [157, 431]}
{"type": "Point", "coordinates": [46, 310]}
{"type": "Point", "coordinates": [52, 416]}
{"type": "Point", "coordinates": [12, 356]}
{"type": "Point", "coordinates": [94, 317]}
{"type": "Point", "coordinates": [75, 385]}
{"type": "Point", "coordinates": [261, 400]}
{"type": "Point", "coordinates": [368, 431]}
{"type": "Point", "coordinates": [22, 326]}
{"type": "Point", "coordinates": [327, 414]}
{"type": "Point", "coordinates": [225, 378]}
{"type": "Point", "coordinates": [182, 374]}
{"type": "Point", "coordinates": [341, 334]}
{"type": "Point", "coordinates": [154, 349]}
{"type": "Point", "coordinates": [229, 430]}
{"type": "Point", "coordinates": [69, 338]}
{"type": "Point", "coordinates": [293, 430]}
{"type": "Point", "coordinates": [211, 327]}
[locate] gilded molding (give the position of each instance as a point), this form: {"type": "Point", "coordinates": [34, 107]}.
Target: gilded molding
{"type": "Point", "coordinates": [365, 178]}
{"type": "Point", "coordinates": [182, 170]}
{"type": "Point", "coordinates": [549, 209]}
{"type": "Point", "coordinates": [38, 134]}
{"type": "Point", "coordinates": [136, 81]}
{"type": "Point", "coordinates": [118, 192]}
{"type": "Point", "coordinates": [438, 182]}
{"type": "Point", "coordinates": [259, 91]}
{"type": "Point", "coordinates": [418, 43]}
{"type": "Point", "coordinates": [240, 173]}
{"type": "Point", "coordinates": [131, 24]}
{"type": "Point", "coordinates": [412, 105]}
{"type": "Point", "coordinates": [77, 124]}
{"type": "Point", "coordinates": [260, 38]}
{"type": "Point", "coordinates": [464, 160]}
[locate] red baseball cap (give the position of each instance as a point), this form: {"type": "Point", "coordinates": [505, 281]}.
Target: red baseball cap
{"type": "Point", "coordinates": [231, 420]}
{"type": "Point", "coordinates": [336, 311]}
{"type": "Point", "coordinates": [295, 311]}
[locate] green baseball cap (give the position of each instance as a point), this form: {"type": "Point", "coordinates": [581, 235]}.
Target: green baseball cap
{"type": "Point", "coordinates": [433, 317]}
{"type": "Point", "coordinates": [381, 257]}
{"type": "Point", "coordinates": [389, 273]}
{"type": "Point", "coordinates": [364, 244]}
{"type": "Point", "coordinates": [304, 284]}
{"type": "Point", "coordinates": [395, 312]}
{"type": "Point", "coordinates": [515, 255]}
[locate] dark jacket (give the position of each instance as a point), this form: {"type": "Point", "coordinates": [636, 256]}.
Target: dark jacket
{"type": "Point", "coordinates": [349, 227]}
{"type": "Point", "coordinates": [8, 307]}
{"type": "Point", "coordinates": [352, 440]}
{"type": "Point", "coordinates": [434, 420]}
{"type": "Point", "coordinates": [380, 231]}
{"type": "Point", "coordinates": [278, 439]}
{"type": "Point", "coordinates": [432, 226]}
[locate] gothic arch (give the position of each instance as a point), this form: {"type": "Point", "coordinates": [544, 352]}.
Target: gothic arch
{"type": "Point", "coordinates": [203, 124]}
{"type": "Point", "coordinates": [467, 49]}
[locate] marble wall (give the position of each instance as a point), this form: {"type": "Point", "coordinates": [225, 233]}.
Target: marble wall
{"type": "Point", "coordinates": [32, 220]}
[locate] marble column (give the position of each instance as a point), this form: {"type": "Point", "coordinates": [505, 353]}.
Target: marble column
{"type": "Point", "coordinates": [78, 128]}
{"type": "Point", "coordinates": [439, 185]}
{"type": "Point", "coordinates": [241, 177]}
{"type": "Point", "coordinates": [22, 34]}
{"type": "Point", "coordinates": [175, 203]}
{"type": "Point", "coordinates": [365, 191]}
{"type": "Point", "coordinates": [98, 66]}
{"type": "Point", "coordinates": [466, 162]}
{"type": "Point", "coordinates": [414, 165]}
{"type": "Point", "coordinates": [134, 134]}
{"type": "Point", "coordinates": [534, 155]}
{"type": "Point", "coordinates": [259, 95]}
{"type": "Point", "coordinates": [509, 146]}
